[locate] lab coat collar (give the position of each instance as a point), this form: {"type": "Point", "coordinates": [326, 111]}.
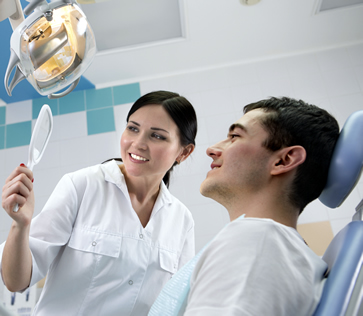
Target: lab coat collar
{"type": "Point", "coordinates": [114, 175]}
{"type": "Point", "coordinates": [164, 194]}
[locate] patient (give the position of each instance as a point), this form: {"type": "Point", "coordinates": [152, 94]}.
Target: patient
{"type": "Point", "coordinates": [274, 162]}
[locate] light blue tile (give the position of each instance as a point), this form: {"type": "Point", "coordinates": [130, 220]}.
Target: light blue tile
{"type": "Point", "coordinates": [99, 98]}
{"type": "Point", "coordinates": [100, 121]}
{"type": "Point", "coordinates": [127, 93]}
{"type": "Point", "coordinates": [2, 115]}
{"type": "Point", "coordinates": [73, 102]}
{"type": "Point", "coordinates": [38, 103]}
{"type": "Point", "coordinates": [18, 134]}
{"type": "Point", "coordinates": [2, 137]}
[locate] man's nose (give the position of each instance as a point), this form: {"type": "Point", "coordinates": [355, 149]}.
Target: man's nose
{"type": "Point", "coordinates": [215, 150]}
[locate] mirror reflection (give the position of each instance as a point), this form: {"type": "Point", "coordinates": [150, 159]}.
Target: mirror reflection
{"type": "Point", "coordinates": [41, 139]}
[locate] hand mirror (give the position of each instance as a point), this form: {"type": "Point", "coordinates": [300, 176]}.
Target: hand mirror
{"type": "Point", "coordinates": [40, 137]}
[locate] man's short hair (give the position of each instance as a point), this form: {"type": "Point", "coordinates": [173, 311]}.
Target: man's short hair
{"type": "Point", "coordinates": [292, 122]}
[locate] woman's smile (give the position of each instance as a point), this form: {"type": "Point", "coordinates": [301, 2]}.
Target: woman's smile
{"type": "Point", "coordinates": [138, 158]}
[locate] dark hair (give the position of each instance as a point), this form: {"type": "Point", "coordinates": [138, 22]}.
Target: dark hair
{"type": "Point", "coordinates": [180, 110]}
{"type": "Point", "coordinates": [292, 122]}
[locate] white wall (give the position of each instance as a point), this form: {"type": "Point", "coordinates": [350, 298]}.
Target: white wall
{"type": "Point", "coordinates": [331, 79]}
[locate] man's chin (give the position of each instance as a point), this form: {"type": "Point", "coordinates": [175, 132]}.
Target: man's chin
{"type": "Point", "coordinates": [206, 188]}
{"type": "Point", "coordinates": [215, 191]}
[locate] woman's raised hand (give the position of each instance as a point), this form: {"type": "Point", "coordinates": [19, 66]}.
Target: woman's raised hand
{"type": "Point", "coordinates": [18, 190]}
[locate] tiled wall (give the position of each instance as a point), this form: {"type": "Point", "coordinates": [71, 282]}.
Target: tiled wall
{"type": "Point", "coordinates": [88, 125]}
{"type": "Point", "coordinates": [16, 118]}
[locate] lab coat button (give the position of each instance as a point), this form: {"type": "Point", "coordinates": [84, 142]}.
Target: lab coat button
{"type": "Point", "coordinates": [94, 244]}
{"type": "Point", "coordinates": [141, 236]}
{"type": "Point", "coordinates": [130, 282]}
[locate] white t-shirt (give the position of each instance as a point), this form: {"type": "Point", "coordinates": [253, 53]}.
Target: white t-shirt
{"type": "Point", "coordinates": [99, 259]}
{"type": "Point", "coordinates": [256, 267]}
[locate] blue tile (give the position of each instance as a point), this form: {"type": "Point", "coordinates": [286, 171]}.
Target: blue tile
{"type": "Point", "coordinates": [73, 102]}
{"type": "Point", "coordinates": [2, 115]}
{"type": "Point", "coordinates": [127, 93]}
{"type": "Point", "coordinates": [99, 98]}
{"type": "Point", "coordinates": [100, 121]}
{"type": "Point", "coordinates": [2, 137]}
{"type": "Point", "coordinates": [84, 84]}
{"type": "Point", "coordinates": [18, 134]}
{"type": "Point", "coordinates": [39, 102]}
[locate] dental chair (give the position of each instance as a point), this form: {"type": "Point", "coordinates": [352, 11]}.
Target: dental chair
{"type": "Point", "coordinates": [343, 289]}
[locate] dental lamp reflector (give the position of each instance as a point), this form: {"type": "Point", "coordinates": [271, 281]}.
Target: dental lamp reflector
{"type": "Point", "coordinates": [51, 48]}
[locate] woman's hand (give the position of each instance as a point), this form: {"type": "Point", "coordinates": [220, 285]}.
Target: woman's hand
{"type": "Point", "coordinates": [18, 189]}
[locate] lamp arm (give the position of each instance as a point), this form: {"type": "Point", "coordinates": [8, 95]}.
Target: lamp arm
{"type": "Point", "coordinates": [11, 9]}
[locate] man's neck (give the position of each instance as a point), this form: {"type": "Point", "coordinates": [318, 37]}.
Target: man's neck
{"type": "Point", "coordinates": [274, 208]}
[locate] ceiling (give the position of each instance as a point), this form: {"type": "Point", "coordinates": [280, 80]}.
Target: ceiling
{"type": "Point", "coordinates": [334, 4]}
{"type": "Point", "coordinates": [132, 23]}
{"type": "Point", "coordinates": [145, 39]}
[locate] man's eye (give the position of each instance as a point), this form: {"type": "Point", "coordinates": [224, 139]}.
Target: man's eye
{"type": "Point", "coordinates": [157, 136]}
{"type": "Point", "coordinates": [233, 135]}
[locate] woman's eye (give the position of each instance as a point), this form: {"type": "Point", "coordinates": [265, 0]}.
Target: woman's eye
{"type": "Point", "coordinates": [157, 136]}
{"type": "Point", "coordinates": [132, 128]}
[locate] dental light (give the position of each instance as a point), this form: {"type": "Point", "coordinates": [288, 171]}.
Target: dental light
{"type": "Point", "coordinates": [51, 48]}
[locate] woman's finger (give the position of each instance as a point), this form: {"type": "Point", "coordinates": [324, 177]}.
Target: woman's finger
{"type": "Point", "coordinates": [22, 188]}
{"type": "Point", "coordinates": [22, 169]}
{"type": "Point", "coordinates": [16, 185]}
{"type": "Point", "coordinates": [16, 191]}
{"type": "Point", "coordinates": [11, 201]}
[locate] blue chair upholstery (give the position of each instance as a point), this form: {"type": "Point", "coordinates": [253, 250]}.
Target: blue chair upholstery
{"type": "Point", "coordinates": [346, 164]}
{"type": "Point", "coordinates": [343, 290]}
{"type": "Point", "coordinates": [345, 258]}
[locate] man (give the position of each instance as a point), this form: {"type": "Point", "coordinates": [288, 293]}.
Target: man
{"type": "Point", "coordinates": [274, 162]}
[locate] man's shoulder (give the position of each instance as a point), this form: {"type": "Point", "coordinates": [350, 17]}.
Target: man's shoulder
{"type": "Point", "coordinates": [259, 237]}
{"type": "Point", "coordinates": [257, 260]}
{"type": "Point", "coordinates": [258, 227]}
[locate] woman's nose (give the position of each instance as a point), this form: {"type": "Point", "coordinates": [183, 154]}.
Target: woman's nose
{"type": "Point", "coordinates": [140, 142]}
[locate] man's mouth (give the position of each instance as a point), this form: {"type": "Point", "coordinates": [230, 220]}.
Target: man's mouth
{"type": "Point", "coordinates": [213, 166]}
{"type": "Point", "coordinates": [136, 157]}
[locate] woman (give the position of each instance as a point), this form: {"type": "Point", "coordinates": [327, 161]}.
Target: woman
{"type": "Point", "coordinates": [110, 236]}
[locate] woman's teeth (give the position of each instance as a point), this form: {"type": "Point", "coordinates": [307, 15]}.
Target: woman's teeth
{"type": "Point", "coordinates": [138, 157]}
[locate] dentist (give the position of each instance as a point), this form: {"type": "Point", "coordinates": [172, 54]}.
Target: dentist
{"type": "Point", "coordinates": [110, 236]}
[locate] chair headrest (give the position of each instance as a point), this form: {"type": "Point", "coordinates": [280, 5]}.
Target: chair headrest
{"type": "Point", "coordinates": [346, 164]}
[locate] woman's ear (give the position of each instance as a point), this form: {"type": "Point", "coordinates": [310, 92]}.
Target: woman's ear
{"type": "Point", "coordinates": [287, 159]}
{"type": "Point", "coordinates": [187, 150]}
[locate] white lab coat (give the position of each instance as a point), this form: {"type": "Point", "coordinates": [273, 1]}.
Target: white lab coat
{"type": "Point", "coordinates": [99, 259]}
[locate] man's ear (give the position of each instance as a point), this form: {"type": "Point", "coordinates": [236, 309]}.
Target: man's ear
{"type": "Point", "coordinates": [287, 159]}
{"type": "Point", "coordinates": [187, 150]}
